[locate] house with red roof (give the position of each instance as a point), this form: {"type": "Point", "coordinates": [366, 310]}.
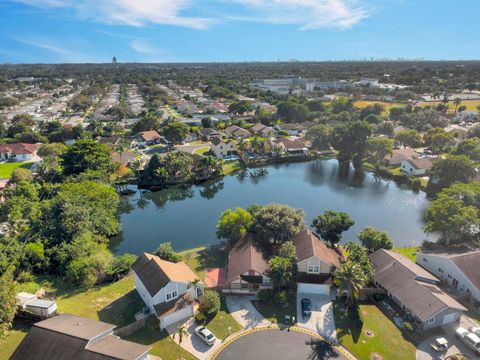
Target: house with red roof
{"type": "Point", "coordinates": [18, 152]}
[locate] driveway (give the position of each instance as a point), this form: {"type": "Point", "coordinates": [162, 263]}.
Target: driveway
{"type": "Point", "coordinates": [425, 351]}
{"type": "Point", "coordinates": [191, 342]}
{"type": "Point", "coordinates": [243, 311]}
{"type": "Point", "coordinates": [321, 320]}
{"type": "Point", "coordinates": [191, 148]}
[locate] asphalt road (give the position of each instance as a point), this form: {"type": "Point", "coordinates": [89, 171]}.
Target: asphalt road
{"type": "Point", "coordinates": [278, 344]}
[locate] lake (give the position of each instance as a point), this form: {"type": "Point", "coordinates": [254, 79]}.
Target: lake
{"type": "Point", "coordinates": [187, 216]}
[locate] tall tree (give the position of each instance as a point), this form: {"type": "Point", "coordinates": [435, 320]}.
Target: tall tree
{"type": "Point", "coordinates": [87, 155]}
{"type": "Point", "coordinates": [331, 224]}
{"type": "Point", "coordinates": [374, 239]}
{"type": "Point", "coordinates": [350, 140]}
{"type": "Point", "coordinates": [408, 138]}
{"type": "Point", "coordinates": [8, 304]}
{"type": "Point", "coordinates": [233, 224]}
{"type": "Point", "coordinates": [438, 140]}
{"type": "Point", "coordinates": [280, 271]}
{"type": "Point", "coordinates": [350, 279]}
{"type": "Point", "coordinates": [319, 136]}
{"type": "Point", "coordinates": [454, 168]}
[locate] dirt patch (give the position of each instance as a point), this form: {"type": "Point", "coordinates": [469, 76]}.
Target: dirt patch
{"type": "Point", "coordinates": [376, 356]}
{"type": "Point", "coordinates": [369, 333]}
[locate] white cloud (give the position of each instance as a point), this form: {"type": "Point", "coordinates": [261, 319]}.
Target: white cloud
{"type": "Point", "coordinates": [308, 14]}
{"type": "Point", "coordinates": [130, 12]}
{"type": "Point", "coordinates": [145, 48]}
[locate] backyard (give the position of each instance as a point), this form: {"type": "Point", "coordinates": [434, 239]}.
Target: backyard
{"type": "Point", "coordinates": [377, 334]}
{"type": "Point", "coordinates": [408, 252]}
{"type": "Point", "coordinates": [6, 169]}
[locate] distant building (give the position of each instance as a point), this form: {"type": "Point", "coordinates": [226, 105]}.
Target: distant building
{"type": "Point", "coordinates": [398, 155]}
{"type": "Point", "coordinates": [149, 137]}
{"type": "Point", "coordinates": [416, 167]}
{"type": "Point", "coordinates": [291, 147]}
{"type": "Point", "coordinates": [312, 86]}
{"type": "Point", "coordinates": [18, 152]}
{"type": "Point", "coordinates": [237, 132]}
{"type": "Point", "coordinates": [222, 148]}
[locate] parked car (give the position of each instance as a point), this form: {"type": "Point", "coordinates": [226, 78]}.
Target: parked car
{"type": "Point", "coordinates": [469, 339]}
{"type": "Point", "coordinates": [205, 335]}
{"type": "Point", "coordinates": [475, 330]}
{"type": "Point", "coordinates": [306, 307]}
{"type": "Point", "coordinates": [440, 345]}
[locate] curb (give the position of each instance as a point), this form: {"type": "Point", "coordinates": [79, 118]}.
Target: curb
{"type": "Point", "coordinates": [236, 336]}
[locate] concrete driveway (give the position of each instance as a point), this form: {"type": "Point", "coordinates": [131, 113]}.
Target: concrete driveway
{"type": "Point", "coordinates": [425, 351]}
{"type": "Point", "coordinates": [321, 320]}
{"type": "Point", "coordinates": [191, 148]}
{"type": "Point", "coordinates": [243, 311]}
{"type": "Point", "coordinates": [192, 342]}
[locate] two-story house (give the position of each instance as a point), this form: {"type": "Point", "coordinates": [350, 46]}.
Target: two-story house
{"type": "Point", "coordinates": [316, 263]}
{"type": "Point", "coordinates": [222, 149]}
{"type": "Point", "coordinates": [166, 288]}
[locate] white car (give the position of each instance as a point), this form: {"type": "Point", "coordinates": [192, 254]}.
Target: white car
{"type": "Point", "coordinates": [475, 330]}
{"type": "Point", "coordinates": [205, 335]}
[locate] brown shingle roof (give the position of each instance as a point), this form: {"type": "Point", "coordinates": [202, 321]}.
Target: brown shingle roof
{"type": "Point", "coordinates": [243, 257]}
{"type": "Point", "coordinates": [469, 264]}
{"type": "Point", "coordinates": [166, 308]}
{"type": "Point", "coordinates": [308, 245]}
{"type": "Point", "coordinates": [155, 273]}
{"type": "Point", "coordinates": [411, 285]}
{"type": "Point", "coordinates": [400, 154]}
{"type": "Point", "coordinates": [66, 337]}
{"type": "Point", "coordinates": [423, 163]}
{"type": "Point", "coordinates": [292, 144]}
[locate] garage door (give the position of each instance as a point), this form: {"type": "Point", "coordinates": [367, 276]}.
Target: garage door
{"type": "Point", "coordinates": [176, 317]}
{"type": "Point", "coordinates": [318, 289]}
{"type": "Point", "coordinates": [449, 318]}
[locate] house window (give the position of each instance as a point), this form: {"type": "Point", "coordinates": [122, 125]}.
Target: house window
{"type": "Point", "coordinates": [313, 269]}
{"type": "Point", "coordinates": [431, 320]}
{"type": "Point", "coordinates": [172, 295]}
{"type": "Point", "coordinates": [440, 270]}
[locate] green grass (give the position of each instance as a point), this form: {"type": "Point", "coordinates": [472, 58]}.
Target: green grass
{"type": "Point", "coordinates": [202, 150]}
{"type": "Point", "coordinates": [220, 323]}
{"type": "Point", "coordinates": [6, 169]}
{"type": "Point", "coordinates": [408, 252]}
{"type": "Point", "coordinates": [203, 258]}
{"type": "Point", "coordinates": [230, 167]}
{"type": "Point", "coordinates": [162, 344]}
{"type": "Point", "coordinates": [387, 339]}
{"type": "Point", "coordinates": [276, 313]}
{"type": "Point", "coordinates": [15, 336]}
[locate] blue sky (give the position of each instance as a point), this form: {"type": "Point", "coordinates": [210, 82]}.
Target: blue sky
{"type": "Point", "coordinates": [53, 31]}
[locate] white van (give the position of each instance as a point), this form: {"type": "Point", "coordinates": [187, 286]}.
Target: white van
{"type": "Point", "coordinates": [470, 339]}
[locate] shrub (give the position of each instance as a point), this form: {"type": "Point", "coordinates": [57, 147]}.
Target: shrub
{"type": "Point", "coordinates": [416, 185]}
{"type": "Point", "coordinates": [121, 266]}
{"type": "Point", "coordinates": [210, 303]}
{"type": "Point", "coordinates": [200, 318]}
{"type": "Point", "coordinates": [264, 295]}
{"type": "Point", "coordinates": [409, 326]}
{"type": "Point", "coordinates": [165, 252]}
{"type": "Point", "coordinates": [281, 297]}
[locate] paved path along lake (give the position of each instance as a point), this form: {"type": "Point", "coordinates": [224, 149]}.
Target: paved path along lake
{"type": "Point", "coordinates": [187, 216]}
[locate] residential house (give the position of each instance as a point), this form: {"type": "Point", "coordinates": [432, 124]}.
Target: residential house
{"type": "Point", "coordinates": [316, 263]}
{"type": "Point", "coordinates": [150, 137]}
{"type": "Point", "coordinates": [67, 337]}
{"type": "Point", "coordinates": [237, 132]}
{"type": "Point", "coordinates": [222, 148]}
{"type": "Point", "coordinates": [292, 129]}
{"type": "Point", "coordinates": [262, 130]}
{"type": "Point", "coordinates": [18, 152]}
{"type": "Point", "coordinates": [416, 167]}
{"type": "Point", "coordinates": [165, 288]}
{"type": "Point", "coordinates": [458, 269]}
{"type": "Point", "coordinates": [398, 155]}
{"type": "Point", "coordinates": [209, 133]}
{"type": "Point", "coordinates": [246, 267]}
{"type": "Point", "coordinates": [415, 290]}
{"type": "Point", "coordinates": [291, 147]}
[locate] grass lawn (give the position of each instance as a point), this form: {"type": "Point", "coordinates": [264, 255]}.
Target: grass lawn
{"type": "Point", "coordinates": [6, 169]}
{"type": "Point", "coordinates": [202, 150]}
{"type": "Point", "coordinates": [408, 252]}
{"type": "Point", "coordinates": [230, 167]}
{"type": "Point", "coordinates": [387, 339]}
{"type": "Point", "coordinates": [203, 258]}
{"type": "Point", "coordinates": [276, 313]}
{"type": "Point", "coordinates": [220, 323]}
{"type": "Point", "coordinates": [162, 344]}
{"type": "Point", "coordinates": [15, 336]}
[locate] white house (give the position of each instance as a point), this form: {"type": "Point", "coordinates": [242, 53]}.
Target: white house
{"type": "Point", "coordinates": [165, 288]}
{"type": "Point", "coordinates": [316, 263]}
{"type": "Point", "coordinates": [416, 167]}
{"type": "Point", "coordinates": [222, 148]}
{"type": "Point", "coordinates": [459, 269]}
{"type": "Point", "coordinates": [291, 147]}
{"type": "Point", "coordinates": [18, 152]}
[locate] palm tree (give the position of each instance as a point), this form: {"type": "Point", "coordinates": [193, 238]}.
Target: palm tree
{"type": "Point", "coordinates": [195, 285]}
{"type": "Point", "coordinates": [181, 332]}
{"type": "Point", "coordinates": [457, 103]}
{"type": "Point", "coordinates": [350, 278]}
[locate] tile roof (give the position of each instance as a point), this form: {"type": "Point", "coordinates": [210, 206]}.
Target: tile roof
{"type": "Point", "coordinates": [18, 148]}
{"type": "Point", "coordinates": [155, 273]}
{"type": "Point", "coordinates": [149, 135]}
{"type": "Point", "coordinates": [308, 245]}
{"type": "Point", "coordinates": [411, 285]}
{"type": "Point", "coordinates": [243, 257]}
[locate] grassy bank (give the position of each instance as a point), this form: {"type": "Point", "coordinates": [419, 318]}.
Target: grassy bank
{"type": "Point", "coordinates": [408, 252]}
{"type": "Point", "coordinates": [6, 169]}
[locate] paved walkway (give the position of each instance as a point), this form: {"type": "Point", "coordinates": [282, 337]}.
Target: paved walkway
{"type": "Point", "coordinates": [321, 320]}
{"type": "Point", "coordinates": [243, 311]}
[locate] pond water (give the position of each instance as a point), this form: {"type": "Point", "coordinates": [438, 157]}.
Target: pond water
{"type": "Point", "coordinates": [187, 216]}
